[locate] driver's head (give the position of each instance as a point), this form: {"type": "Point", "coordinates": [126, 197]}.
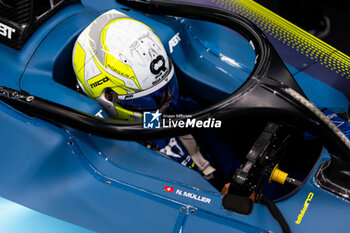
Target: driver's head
{"type": "Point", "coordinates": [122, 64]}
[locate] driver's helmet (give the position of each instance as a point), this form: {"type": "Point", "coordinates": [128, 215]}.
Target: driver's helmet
{"type": "Point", "coordinates": [122, 64]}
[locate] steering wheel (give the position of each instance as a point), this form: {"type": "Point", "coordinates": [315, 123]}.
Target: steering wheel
{"type": "Point", "coordinates": [270, 93]}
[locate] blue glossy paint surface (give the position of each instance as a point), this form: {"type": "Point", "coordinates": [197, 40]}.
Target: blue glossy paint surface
{"type": "Point", "coordinates": [15, 218]}
{"type": "Point", "coordinates": [322, 95]}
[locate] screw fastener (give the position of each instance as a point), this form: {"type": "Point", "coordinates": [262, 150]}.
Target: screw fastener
{"type": "Point", "coordinates": [30, 98]}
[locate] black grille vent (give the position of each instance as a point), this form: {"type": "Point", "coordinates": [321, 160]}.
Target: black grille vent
{"type": "Point", "coordinates": [20, 18]}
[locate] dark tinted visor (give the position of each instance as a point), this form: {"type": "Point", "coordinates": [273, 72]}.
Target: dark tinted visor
{"type": "Point", "coordinates": [155, 100]}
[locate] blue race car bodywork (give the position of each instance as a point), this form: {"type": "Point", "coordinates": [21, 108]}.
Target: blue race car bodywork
{"type": "Point", "coordinates": [55, 178]}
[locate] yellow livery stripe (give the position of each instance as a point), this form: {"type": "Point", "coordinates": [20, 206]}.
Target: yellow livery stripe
{"type": "Point", "coordinates": [79, 65]}
{"type": "Point", "coordinates": [111, 62]}
{"type": "Point", "coordinates": [290, 34]}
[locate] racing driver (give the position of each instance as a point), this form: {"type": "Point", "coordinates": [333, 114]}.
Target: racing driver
{"type": "Point", "coordinates": [122, 64]}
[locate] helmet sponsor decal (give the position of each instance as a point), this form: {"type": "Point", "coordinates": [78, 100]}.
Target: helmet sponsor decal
{"type": "Point", "coordinates": [129, 96]}
{"type": "Point", "coordinates": [120, 68]}
{"type": "Point", "coordinates": [158, 65]}
{"type": "Point", "coordinates": [159, 83]}
{"type": "Point", "coordinates": [99, 82]}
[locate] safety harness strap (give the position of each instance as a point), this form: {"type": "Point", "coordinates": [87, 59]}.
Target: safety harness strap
{"type": "Point", "coordinates": [203, 165]}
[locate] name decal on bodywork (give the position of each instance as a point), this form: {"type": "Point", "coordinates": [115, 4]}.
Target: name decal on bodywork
{"type": "Point", "coordinates": [306, 205]}
{"type": "Point", "coordinates": [187, 194]}
{"type": "Point", "coordinates": [193, 196]}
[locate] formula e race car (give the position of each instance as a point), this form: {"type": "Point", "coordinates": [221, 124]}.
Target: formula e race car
{"type": "Point", "coordinates": [282, 97]}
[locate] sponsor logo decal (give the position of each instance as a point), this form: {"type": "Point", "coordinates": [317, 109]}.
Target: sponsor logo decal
{"type": "Point", "coordinates": [99, 114]}
{"type": "Point", "coordinates": [99, 82]}
{"type": "Point", "coordinates": [129, 96]}
{"type": "Point", "coordinates": [152, 120]}
{"type": "Point", "coordinates": [6, 31]}
{"type": "Point", "coordinates": [158, 80]}
{"type": "Point", "coordinates": [157, 65]}
{"type": "Point", "coordinates": [174, 41]}
{"type": "Point", "coordinates": [123, 71]}
{"type": "Point", "coordinates": [306, 205]}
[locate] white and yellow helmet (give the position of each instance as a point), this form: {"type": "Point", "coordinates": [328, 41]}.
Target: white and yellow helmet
{"type": "Point", "coordinates": [122, 64]}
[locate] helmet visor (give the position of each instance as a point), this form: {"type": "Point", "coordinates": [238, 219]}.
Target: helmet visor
{"type": "Point", "coordinates": [164, 95]}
